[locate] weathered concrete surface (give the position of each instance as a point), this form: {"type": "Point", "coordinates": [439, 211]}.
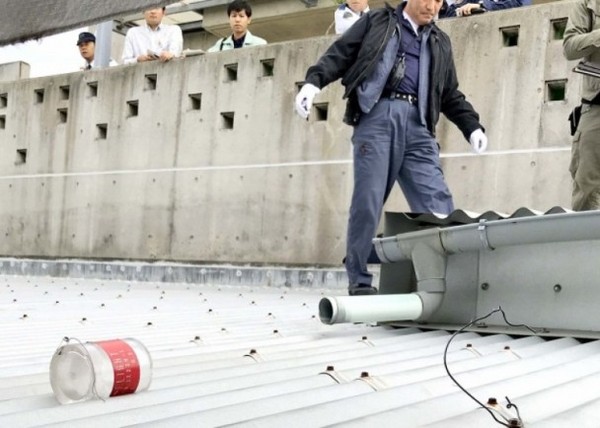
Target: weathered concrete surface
{"type": "Point", "coordinates": [14, 71]}
{"type": "Point", "coordinates": [182, 181]}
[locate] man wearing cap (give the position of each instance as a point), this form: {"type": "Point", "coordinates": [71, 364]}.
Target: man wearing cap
{"type": "Point", "coordinates": [153, 40]}
{"type": "Point", "coordinates": [87, 47]}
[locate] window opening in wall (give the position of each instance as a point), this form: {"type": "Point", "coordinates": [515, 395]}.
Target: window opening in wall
{"type": "Point", "coordinates": [231, 72]}
{"type": "Point", "coordinates": [21, 157]}
{"type": "Point", "coordinates": [267, 67]}
{"type": "Point", "coordinates": [150, 83]}
{"type": "Point", "coordinates": [62, 115]}
{"type": "Point", "coordinates": [101, 131]}
{"type": "Point", "coordinates": [555, 90]}
{"type": "Point", "coordinates": [558, 28]}
{"type": "Point", "coordinates": [510, 36]}
{"type": "Point", "coordinates": [92, 88]}
{"type": "Point", "coordinates": [321, 110]}
{"type": "Point", "coordinates": [195, 101]}
{"type": "Point", "coordinates": [64, 92]}
{"type": "Point", "coordinates": [132, 108]}
{"type": "Point", "coordinates": [2, 121]}
{"type": "Point", "coordinates": [38, 96]}
{"type": "Point", "coordinates": [3, 100]}
{"type": "Point", "coordinates": [227, 120]}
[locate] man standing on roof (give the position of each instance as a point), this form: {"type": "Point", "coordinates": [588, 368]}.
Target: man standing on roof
{"type": "Point", "coordinates": [153, 40]}
{"type": "Point", "coordinates": [348, 13]}
{"type": "Point", "coordinates": [240, 16]}
{"type": "Point", "coordinates": [581, 42]}
{"type": "Point", "coordinates": [399, 74]}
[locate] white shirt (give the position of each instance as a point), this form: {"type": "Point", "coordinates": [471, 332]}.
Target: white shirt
{"type": "Point", "coordinates": [345, 17]}
{"type": "Point", "coordinates": [143, 39]}
{"type": "Point", "coordinates": [413, 24]}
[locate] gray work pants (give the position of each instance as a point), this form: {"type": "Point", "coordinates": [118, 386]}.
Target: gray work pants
{"type": "Point", "coordinates": [390, 145]}
{"type": "Point", "coordinates": [585, 160]}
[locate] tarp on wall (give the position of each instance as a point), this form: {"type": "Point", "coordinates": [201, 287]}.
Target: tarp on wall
{"type": "Point", "coordinates": [21, 20]}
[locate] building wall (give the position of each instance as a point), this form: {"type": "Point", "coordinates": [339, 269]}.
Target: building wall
{"type": "Point", "coordinates": [203, 159]}
{"type": "Point", "coordinates": [14, 71]}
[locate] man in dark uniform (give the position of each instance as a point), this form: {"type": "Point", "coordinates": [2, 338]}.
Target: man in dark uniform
{"type": "Point", "coordinates": [399, 74]}
{"type": "Point", "coordinates": [86, 42]}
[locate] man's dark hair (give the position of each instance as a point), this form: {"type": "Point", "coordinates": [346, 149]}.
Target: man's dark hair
{"type": "Point", "coordinates": [238, 6]}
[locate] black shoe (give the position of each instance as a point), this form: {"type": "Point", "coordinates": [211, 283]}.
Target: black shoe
{"type": "Point", "coordinates": [361, 290]}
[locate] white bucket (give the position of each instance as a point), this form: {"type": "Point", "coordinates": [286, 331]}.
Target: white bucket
{"type": "Point", "coordinates": [80, 371]}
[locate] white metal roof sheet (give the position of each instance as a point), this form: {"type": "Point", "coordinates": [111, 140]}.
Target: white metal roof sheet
{"type": "Point", "coordinates": [258, 356]}
{"type": "Point", "coordinates": [460, 216]}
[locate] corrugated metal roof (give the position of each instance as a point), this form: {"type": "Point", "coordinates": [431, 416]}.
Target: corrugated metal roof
{"type": "Point", "coordinates": [301, 372]}
{"type": "Point", "coordinates": [460, 216]}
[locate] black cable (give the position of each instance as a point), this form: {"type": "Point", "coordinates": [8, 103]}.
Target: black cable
{"type": "Point", "coordinates": [510, 404]}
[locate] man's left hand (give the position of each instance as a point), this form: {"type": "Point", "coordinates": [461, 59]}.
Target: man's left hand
{"type": "Point", "coordinates": [479, 141]}
{"type": "Point", "coordinates": [165, 56]}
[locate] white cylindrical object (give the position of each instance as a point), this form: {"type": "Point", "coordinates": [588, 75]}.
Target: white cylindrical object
{"type": "Point", "coordinates": [81, 371]}
{"type": "Point", "coordinates": [387, 307]}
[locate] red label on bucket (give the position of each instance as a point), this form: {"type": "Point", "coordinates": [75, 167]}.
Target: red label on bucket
{"type": "Point", "coordinates": [125, 366]}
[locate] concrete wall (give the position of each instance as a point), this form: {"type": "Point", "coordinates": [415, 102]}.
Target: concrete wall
{"type": "Point", "coordinates": [192, 161]}
{"type": "Point", "coordinates": [14, 71]}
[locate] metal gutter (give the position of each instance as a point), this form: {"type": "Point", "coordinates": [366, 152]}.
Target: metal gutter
{"type": "Point", "coordinates": [428, 250]}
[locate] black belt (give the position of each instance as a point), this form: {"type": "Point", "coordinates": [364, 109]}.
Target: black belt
{"type": "Point", "coordinates": [412, 99]}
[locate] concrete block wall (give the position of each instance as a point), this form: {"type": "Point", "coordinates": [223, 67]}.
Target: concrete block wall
{"type": "Point", "coordinates": [14, 71]}
{"type": "Point", "coordinates": [203, 159]}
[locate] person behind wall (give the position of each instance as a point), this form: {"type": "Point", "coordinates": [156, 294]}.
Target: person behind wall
{"type": "Point", "coordinates": [153, 40]}
{"type": "Point", "coordinates": [453, 8]}
{"type": "Point", "coordinates": [580, 41]}
{"type": "Point", "coordinates": [86, 42]}
{"type": "Point", "coordinates": [398, 72]}
{"type": "Point", "coordinates": [348, 13]}
{"type": "Point", "coordinates": [240, 16]}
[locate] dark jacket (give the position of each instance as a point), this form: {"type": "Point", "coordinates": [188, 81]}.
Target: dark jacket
{"type": "Point", "coordinates": [449, 11]}
{"type": "Point", "coordinates": [355, 54]}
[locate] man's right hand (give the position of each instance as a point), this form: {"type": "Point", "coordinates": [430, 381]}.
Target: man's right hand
{"type": "Point", "coordinates": [304, 100]}
{"type": "Point", "coordinates": [469, 9]}
{"type": "Point", "coordinates": [144, 58]}
{"type": "Point", "coordinates": [165, 56]}
{"type": "Point", "coordinates": [479, 141]}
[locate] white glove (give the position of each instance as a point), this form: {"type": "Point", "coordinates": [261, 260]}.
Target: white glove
{"type": "Point", "coordinates": [304, 99]}
{"type": "Point", "coordinates": [478, 141]}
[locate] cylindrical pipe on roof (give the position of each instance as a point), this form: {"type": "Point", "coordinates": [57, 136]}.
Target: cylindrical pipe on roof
{"type": "Point", "coordinates": [488, 235]}
{"type": "Point", "coordinates": [388, 307]}
{"type": "Point", "coordinates": [431, 303]}
{"type": "Point", "coordinates": [400, 247]}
